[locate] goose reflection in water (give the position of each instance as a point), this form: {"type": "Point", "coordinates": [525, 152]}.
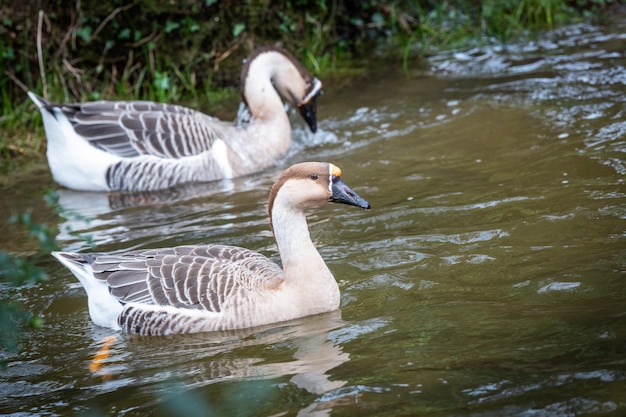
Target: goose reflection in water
{"type": "Point", "coordinates": [305, 349]}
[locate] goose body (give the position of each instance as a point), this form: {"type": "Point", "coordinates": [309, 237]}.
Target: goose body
{"type": "Point", "coordinates": [216, 287]}
{"type": "Point", "coordinates": [143, 145]}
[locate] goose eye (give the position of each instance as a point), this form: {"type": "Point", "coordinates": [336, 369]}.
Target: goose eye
{"type": "Point", "coordinates": [314, 176]}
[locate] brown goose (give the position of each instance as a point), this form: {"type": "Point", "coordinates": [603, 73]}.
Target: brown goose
{"type": "Point", "coordinates": [215, 287]}
{"type": "Point", "coordinates": [142, 145]}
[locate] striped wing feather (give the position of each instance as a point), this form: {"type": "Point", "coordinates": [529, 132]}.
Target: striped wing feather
{"type": "Point", "coordinates": [194, 277]}
{"type": "Point", "coordinates": [134, 128]}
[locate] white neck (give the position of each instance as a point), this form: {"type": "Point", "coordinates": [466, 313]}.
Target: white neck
{"type": "Point", "coordinates": [261, 96]}
{"type": "Point", "coordinates": [303, 266]}
{"type": "Point", "coordinates": [270, 124]}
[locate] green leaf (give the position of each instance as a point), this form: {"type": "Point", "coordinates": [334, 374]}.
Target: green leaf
{"type": "Point", "coordinates": [8, 53]}
{"type": "Point", "coordinates": [84, 33]}
{"type": "Point", "coordinates": [161, 81]}
{"type": "Point", "coordinates": [171, 26]}
{"type": "Point", "coordinates": [124, 33]}
{"type": "Point", "coordinates": [238, 28]}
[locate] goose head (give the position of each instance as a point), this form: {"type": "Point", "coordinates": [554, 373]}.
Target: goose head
{"type": "Point", "coordinates": [288, 76]}
{"type": "Point", "coordinates": [311, 184]}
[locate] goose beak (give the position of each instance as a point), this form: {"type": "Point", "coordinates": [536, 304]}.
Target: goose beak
{"type": "Point", "coordinates": [343, 194]}
{"type": "Point", "coordinates": [308, 106]}
{"type": "Point", "coordinates": [309, 113]}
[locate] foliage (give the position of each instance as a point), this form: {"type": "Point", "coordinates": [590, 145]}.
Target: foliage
{"type": "Point", "coordinates": [18, 271]}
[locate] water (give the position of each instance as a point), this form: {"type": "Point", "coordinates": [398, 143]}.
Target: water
{"type": "Point", "coordinates": [488, 279]}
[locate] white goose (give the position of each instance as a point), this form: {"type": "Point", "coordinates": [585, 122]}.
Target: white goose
{"type": "Point", "coordinates": [215, 287]}
{"type": "Point", "coordinates": [142, 145]}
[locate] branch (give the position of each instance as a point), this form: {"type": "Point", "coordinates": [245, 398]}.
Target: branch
{"type": "Point", "coordinates": [42, 71]}
{"type": "Point", "coordinates": [108, 19]}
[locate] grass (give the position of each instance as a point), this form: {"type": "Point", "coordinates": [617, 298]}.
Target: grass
{"type": "Point", "coordinates": [21, 135]}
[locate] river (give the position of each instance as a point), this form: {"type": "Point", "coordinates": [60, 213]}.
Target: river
{"type": "Point", "coordinates": [488, 279]}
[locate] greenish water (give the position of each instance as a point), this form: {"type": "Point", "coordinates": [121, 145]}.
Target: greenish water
{"type": "Point", "coordinates": [488, 279]}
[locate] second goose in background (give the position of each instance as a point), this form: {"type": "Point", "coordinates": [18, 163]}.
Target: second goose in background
{"type": "Point", "coordinates": [143, 145]}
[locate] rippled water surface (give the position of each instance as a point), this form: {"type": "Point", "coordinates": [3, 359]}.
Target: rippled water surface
{"type": "Point", "coordinates": [488, 279]}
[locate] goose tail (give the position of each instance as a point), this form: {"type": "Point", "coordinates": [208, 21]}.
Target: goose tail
{"type": "Point", "coordinates": [40, 102]}
{"type": "Point", "coordinates": [104, 309]}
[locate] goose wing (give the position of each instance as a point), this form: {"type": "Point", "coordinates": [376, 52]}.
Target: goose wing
{"type": "Point", "coordinates": [133, 128]}
{"type": "Point", "coordinates": [195, 277]}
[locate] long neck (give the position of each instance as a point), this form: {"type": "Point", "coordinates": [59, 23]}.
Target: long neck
{"type": "Point", "coordinates": [260, 94]}
{"type": "Point", "coordinates": [294, 242]}
{"type": "Point", "coordinates": [304, 268]}
{"type": "Point", "coordinates": [269, 120]}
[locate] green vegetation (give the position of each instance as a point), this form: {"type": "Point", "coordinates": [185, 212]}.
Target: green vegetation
{"type": "Point", "coordinates": [190, 51]}
{"type": "Point", "coordinates": [18, 271]}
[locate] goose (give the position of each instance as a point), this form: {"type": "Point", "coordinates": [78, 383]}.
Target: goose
{"type": "Point", "coordinates": [144, 146]}
{"type": "Point", "coordinates": [216, 287]}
